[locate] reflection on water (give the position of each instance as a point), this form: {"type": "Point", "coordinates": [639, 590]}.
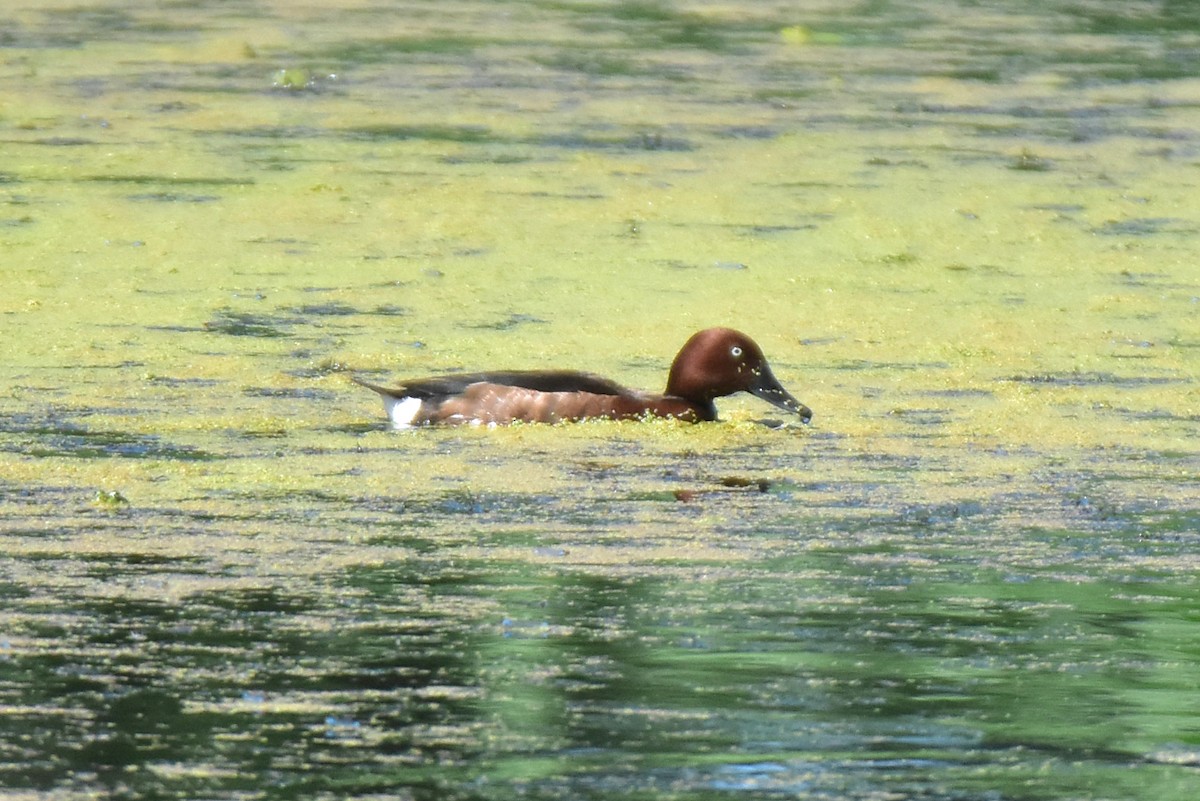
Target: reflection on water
{"type": "Point", "coordinates": [284, 601]}
{"type": "Point", "coordinates": [918, 656]}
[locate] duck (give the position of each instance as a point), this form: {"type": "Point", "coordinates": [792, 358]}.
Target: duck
{"type": "Point", "coordinates": [713, 363]}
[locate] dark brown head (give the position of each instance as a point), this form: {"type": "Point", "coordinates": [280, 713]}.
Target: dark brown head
{"type": "Point", "coordinates": [720, 361]}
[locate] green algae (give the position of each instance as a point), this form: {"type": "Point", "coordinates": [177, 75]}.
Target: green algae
{"type": "Point", "coordinates": [966, 244]}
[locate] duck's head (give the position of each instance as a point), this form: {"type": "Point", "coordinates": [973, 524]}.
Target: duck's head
{"type": "Point", "coordinates": [720, 361]}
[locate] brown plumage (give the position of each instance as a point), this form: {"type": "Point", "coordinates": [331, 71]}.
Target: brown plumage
{"type": "Point", "coordinates": [713, 363]}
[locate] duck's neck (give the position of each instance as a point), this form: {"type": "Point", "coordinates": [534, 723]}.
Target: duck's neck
{"type": "Point", "coordinates": [708, 410]}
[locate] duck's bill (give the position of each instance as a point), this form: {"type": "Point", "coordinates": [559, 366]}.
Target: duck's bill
{"type": "Point", "coordinates": [767, 387]}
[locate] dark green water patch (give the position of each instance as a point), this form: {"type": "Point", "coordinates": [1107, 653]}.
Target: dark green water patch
{"type": "Point", "coordinates": [295, 393]}
{"type": "Point", "coordinates": [177, 381]}
{"type": "Point", "coordinates": [925, 515]}
{"type": "Point", "coordinates": [485, 157]}
{"type": "Point", "coordinates": [1088, 379]}
{"type": "Point", "coordinates": [248, 324]}
{"type": "Point", "coordinates": [388, 49]}
{"type": "Point", "coordinates": [922, 417]}
{"type": "Point", "coordinates": [598, 63]}
{"type": "Point", "coordinates": [1158, 414]}
{"type": "Point", "coordinates": [1147, 226]}
{"type": "Point", "coordinates": [512, 321]}
{"type": "Point", "coordinates": [390, 310]}
{"type": "Point", "coordinates": [167, 180]}
{"type": "Point", "coordinates": [1154, 279]}
{"type": "Point", "coordinates": [478, 135]}
{"type": "Point", "coordinates": [172, 197]}
{"type": "Point", "coordinates": [1029, 161]}
{"type": "Point", "coordinates": [109, 565]}
{"type": "Point", "coordinates": [474, 134]}
{"type": "Point", "coordinates": [958, 393]}
{"type": "Point", "coordinates": [284, 134]}
{"type": "Point", "coordinates": [65, 141]}
{"type": "Point", "coordinates": [288, 241]}
{"type": "Point", "coordinates": [642, 140]}
{"type": "Point", "coordinates": [331, 309]}
{"type": "Point", "coordinates": [114, 22]}
{"type": "Point", "coordinates": [40, 438]}
{"type": "Point", "coordinates": [867, 364]}
{"type": "Point", "coordinates": [758, 231]}
{"type": "Point", "coordinates": [653, 26]}
{"type": "Point", "coordinates": [1061, 208]}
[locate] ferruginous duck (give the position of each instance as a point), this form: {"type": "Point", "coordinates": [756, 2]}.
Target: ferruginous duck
{"type": "Point", "coordinates": [714, 363]}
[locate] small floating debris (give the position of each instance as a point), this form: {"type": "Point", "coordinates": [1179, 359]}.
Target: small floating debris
{"type": "Point", "coordinates": [110, 500]}
{"type": "Point", "coordinates": [297, 79]}
{"type": "Point", "coordinates": [1029, 161]}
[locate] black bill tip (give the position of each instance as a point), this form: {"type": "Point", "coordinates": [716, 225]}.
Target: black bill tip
{"type": "Point", "coordinates": [767, 387]}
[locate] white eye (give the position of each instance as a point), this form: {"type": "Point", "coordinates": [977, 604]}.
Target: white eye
{"type": "Point", "coordinates": [735, 352]}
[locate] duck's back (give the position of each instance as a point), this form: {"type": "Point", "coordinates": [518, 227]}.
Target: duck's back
{"type": "Point", "coordinates": [499, 398]}
{"type": "Point", "coordinates": [537, 380]}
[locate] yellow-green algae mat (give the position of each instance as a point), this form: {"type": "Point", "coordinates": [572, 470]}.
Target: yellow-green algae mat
{"type": "Point", "coordinates": [992, 308]}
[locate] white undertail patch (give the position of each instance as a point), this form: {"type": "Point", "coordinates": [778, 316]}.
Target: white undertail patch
{"type": "Point", "coordinates": [402, 411]}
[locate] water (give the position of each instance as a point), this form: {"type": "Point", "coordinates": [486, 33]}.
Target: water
{"type": "Point", "coordinates": [964, 235]}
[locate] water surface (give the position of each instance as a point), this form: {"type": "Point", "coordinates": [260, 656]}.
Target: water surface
{"type": "Point", "coordinates": [965, 236]}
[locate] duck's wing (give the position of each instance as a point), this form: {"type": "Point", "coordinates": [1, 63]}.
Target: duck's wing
{"type": "Point", "coordinates": [549, 381]}
{"type": "Point", "coordinates": [444, 386]}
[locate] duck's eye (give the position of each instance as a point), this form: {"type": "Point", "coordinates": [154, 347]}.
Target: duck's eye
{"type": "Point", "coordinates": [735, 352]}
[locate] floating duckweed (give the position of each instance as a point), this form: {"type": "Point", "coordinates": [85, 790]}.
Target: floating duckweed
{"type": "Point", "coordinates": [903, 257]}
{"type": "Point", "coordinates": [292, 79]}
{"type": "Point", "coordinates": [110, 500]}
{"type": "Point", "coordinates": [804, 35]}
{"type": "Point", "coordinates": [796, 34]}
{"type": "Point", "coordinates": [295, 79]}
{"type": "Point", "coordinates": [1030, 162]}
